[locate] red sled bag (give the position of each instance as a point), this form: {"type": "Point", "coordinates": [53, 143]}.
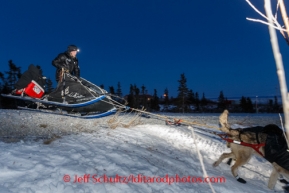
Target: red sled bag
{"type": "Point", "coordinates": [34, 90]}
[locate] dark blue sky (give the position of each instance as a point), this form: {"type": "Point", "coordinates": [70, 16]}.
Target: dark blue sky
{"type": "Point", "coordinates": [147, 42]}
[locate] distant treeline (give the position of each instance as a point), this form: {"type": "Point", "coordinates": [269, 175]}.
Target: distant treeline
{"type": "Point", "coordinates": [186, 101]}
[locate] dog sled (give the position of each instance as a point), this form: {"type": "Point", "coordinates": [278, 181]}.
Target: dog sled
{"type": "Point", "coordinates": [73, 96]}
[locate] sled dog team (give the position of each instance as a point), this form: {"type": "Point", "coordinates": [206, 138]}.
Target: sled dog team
{"type": "Point", "coordinates": [275, 149]}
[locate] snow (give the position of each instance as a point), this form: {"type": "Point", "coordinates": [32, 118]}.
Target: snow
{"type": "Point", "coordinates": [150, 150]}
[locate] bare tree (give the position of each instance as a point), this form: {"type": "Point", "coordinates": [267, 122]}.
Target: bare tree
{"type": "Point", "coordinates": [274, 24]}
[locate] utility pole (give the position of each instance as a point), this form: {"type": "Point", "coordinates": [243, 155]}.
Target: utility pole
{"type": "Point", "coordinates": [256, 104]}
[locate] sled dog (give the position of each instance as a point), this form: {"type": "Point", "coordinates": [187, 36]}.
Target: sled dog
{"type": "Point", "coordinates": [242, 154]}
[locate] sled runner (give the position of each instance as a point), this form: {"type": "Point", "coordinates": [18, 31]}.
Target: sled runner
{"type": "Point", "coordinates": [77, 97]}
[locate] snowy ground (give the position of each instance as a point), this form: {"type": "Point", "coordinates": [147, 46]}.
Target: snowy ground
{"type": "Point", "coordinates": [149, 157]}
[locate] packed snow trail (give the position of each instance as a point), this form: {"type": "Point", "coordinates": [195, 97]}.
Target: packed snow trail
{"type": "Point", "coordinates": [91, 148]}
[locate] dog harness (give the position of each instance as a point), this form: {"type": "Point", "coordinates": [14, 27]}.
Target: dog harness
{"type": "Point", "coordinates": [256, 147]}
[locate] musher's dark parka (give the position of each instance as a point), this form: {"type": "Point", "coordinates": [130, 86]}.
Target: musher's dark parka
{"type": "Point", "coordinates": [66, 61]}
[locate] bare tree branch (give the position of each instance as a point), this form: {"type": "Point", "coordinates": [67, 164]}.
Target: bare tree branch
{"type": "Point", "coordinates": [284, 15]}
{"type": "Point", "coordinates": [275, 24]}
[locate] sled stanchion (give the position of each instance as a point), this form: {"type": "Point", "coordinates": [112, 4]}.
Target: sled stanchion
{"type": "Point", "coordinates": [63, 86]}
